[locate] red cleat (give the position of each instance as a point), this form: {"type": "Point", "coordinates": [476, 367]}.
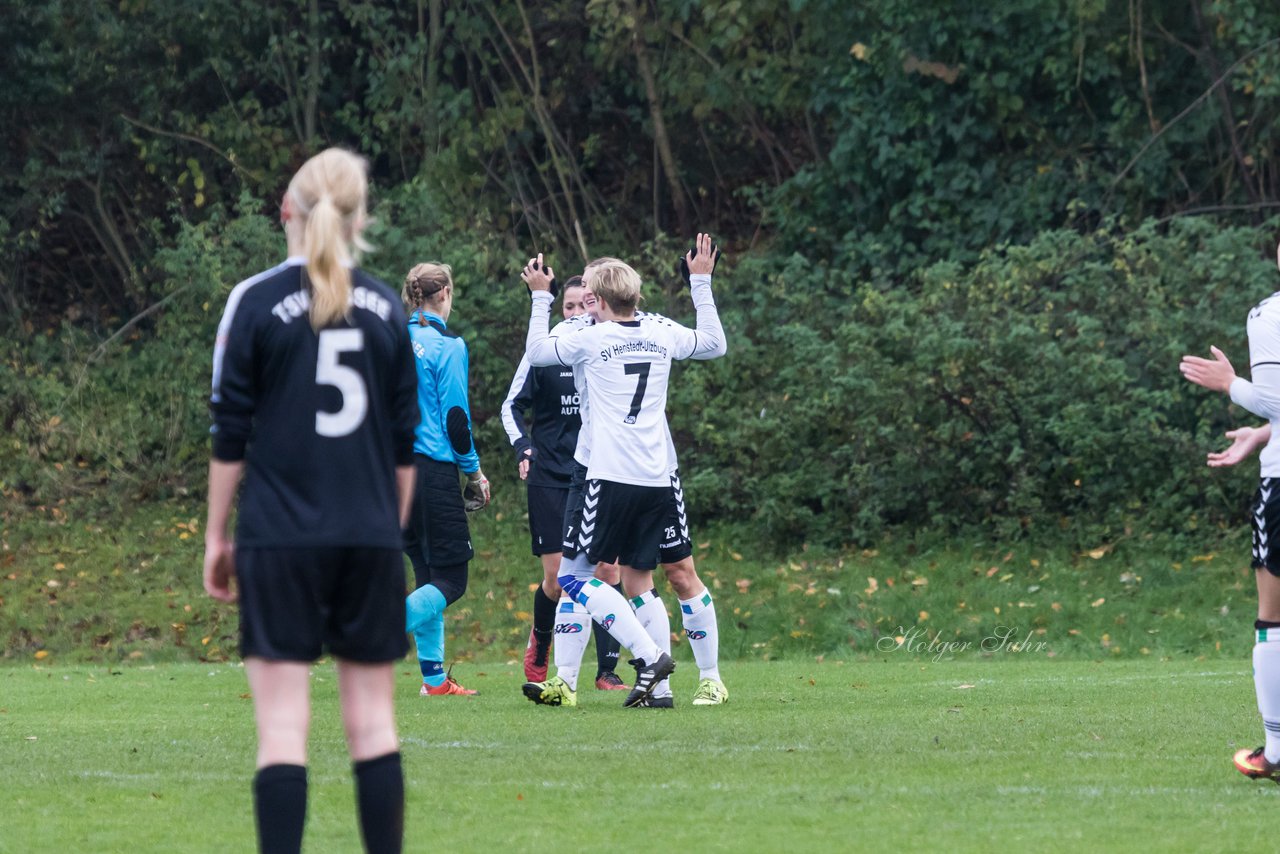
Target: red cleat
{"type": "Point", "coordinates": [611, 681]}
{"type": "Point", "coordinates": [1254, 764]}
{"type": "Point", "coordinates": [534, 672]}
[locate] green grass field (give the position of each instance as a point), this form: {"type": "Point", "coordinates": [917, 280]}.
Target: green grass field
{"type": "Point", "coordinates": [900, 753]}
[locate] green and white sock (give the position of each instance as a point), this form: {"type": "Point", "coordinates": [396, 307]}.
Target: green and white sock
{"type": "Point", "coordinates": [700, 627]}
{"type": "Point", "coordinates": [1266, 682]}
{"type": "Point", "coordinates": [573, 630]}
{"type": "Point", "coordinates": [652, 614]}
{"type": "Point", "coordinates": [608, 608]}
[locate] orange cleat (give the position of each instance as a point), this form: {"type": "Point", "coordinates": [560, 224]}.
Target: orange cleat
{"type": "Point", "coordinates": [1254, 764]}
{"type": "Point", "coordinates": [445, 688]}
{"type": "Point", "coordinates": [610, 681]}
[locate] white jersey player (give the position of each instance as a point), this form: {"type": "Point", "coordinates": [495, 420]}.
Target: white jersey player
{"type": "Point", "coordinates": [628, 508]}
{"type": "Point", "coordinates": [1262, 398]}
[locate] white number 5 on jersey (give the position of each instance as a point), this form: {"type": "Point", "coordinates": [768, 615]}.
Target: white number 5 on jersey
{"type": "Point", "coordinates": [348, 382]}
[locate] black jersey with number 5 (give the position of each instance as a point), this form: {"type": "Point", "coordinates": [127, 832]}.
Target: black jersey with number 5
{"type": "Point", "coordinates": [320, 419]}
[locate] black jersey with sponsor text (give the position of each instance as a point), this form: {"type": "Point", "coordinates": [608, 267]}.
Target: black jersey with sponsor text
{"type": "Point", "coordinates": [551, 394]}
{"type": "Point", "coordinates": [320, 419]}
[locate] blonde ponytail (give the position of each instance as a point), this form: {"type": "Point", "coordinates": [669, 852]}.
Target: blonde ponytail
{"type": "Point", "coordinates": [327, 264]}
{"type": "Point", "coordinates": [330, 192]}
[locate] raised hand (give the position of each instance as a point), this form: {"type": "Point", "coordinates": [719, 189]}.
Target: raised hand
{"type": "Point", "coordinates": [538, 276]}
{"type": "Point", "coordinates": [1215, 374]}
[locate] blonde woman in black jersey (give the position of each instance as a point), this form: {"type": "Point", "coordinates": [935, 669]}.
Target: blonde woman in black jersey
{"type": "Point", "coordinates": [314, 406]}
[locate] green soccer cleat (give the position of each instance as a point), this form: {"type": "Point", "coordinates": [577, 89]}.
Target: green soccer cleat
{"type": "Point", "coordinates": [554, 692]}
{"type": "Point", "coordinates": [710, 693]}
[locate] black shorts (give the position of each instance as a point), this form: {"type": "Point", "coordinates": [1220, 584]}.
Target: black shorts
{"type": "Point", "coordinates": [622, 523]}
{"type": "Point", "coordinates": [546, 514]}
{"type": "Point", "coordinates": [1265, 517]}
{"type": "Point", "coordinates": [675, 545]}
{"type": "Point", "coordinates": [571, 543]}
{"type": "Point", "coordinates": [295, 603]}
{"type": "Point", "coordinates": [437, 534]}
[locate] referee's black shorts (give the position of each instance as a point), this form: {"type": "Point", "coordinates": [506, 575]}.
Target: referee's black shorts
{"type": "Point", "coordinates": [295, 603]}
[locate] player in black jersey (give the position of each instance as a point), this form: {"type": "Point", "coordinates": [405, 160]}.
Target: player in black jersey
{"type": "Point", "coordinates": [313, 402]}
{"type": "Point", "coordinates": [544, 458]}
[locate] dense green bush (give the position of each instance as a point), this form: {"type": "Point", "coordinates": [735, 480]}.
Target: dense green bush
{"type": "Point", "coordinates": [1038, 389]}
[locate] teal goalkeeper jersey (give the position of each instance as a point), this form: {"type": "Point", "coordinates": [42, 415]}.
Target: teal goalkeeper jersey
{"type": "Point", "coordinates": [440, 356]}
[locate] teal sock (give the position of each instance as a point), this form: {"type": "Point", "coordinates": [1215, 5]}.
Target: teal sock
{"type": "Point", "coordinates": [422, 605]}
{"type": "Point", "coordinates": [424, 616]}
{"type": "Point", "coordinates": [430, 640]}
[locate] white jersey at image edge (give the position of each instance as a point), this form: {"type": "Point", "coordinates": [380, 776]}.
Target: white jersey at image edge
{"type": "Point", "coordinates": [1262, 395]}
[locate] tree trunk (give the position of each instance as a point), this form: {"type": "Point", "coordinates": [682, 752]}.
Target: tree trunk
{"type": "Point", "coordinates": [660, 139]}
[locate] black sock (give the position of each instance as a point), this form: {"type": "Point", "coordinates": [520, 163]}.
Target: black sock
{"type": "Point", "coordinates": [380, 799]}
{"type": "Point", "coordinates": [606, 647]}
{"type": "Point", "coordinates": [280, 804]}
{"type": "Point", "coordinates": [544, 624]}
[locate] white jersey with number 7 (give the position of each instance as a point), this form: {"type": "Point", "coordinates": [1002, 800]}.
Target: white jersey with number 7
{"type": "Point", "coordinates": [627, 366]}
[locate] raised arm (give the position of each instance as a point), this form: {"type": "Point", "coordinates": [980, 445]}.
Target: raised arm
{"type": "Point", "coordinates": [539, 346]}
{"type": "Point", "coordinates": [710, 342]}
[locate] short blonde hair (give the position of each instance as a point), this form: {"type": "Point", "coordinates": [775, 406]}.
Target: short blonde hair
{"type": "Point", "coordinates": [424, 283]}
{"type": "Point", "coordinates": [616, 283]}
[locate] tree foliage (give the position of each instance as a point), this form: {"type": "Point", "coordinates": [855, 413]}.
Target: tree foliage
{"type": "Point", "coordinates": [921, 201]}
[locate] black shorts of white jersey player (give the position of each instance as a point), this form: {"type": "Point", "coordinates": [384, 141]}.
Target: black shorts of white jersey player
{"type": "Point", "coordinates": [674, 544]}
{"type": "Point", "coordinates": [295, 603]}
{"type": "Point", "coordinates": [637, 526]}
{"type": "Point", "coordinates": [1264, 515]}
{"type": "Point", "coordinates": [546, 516]}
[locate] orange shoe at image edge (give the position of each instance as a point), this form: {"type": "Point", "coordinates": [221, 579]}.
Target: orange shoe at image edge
{"type": "Point", "coordinates": [1254, 764]}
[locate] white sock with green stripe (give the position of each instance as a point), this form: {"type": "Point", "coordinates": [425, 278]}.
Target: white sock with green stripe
{"type": "Point", "coordinates": [1266, 681]}
{"type": "Point", "coordinates": [652, 614]}
{"type": "Point", "coordinates": [703, 632]}
{"type": "Point", "coordinates": [608, 608]}
{"type": "Point", "coordinates": [572, 631]}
